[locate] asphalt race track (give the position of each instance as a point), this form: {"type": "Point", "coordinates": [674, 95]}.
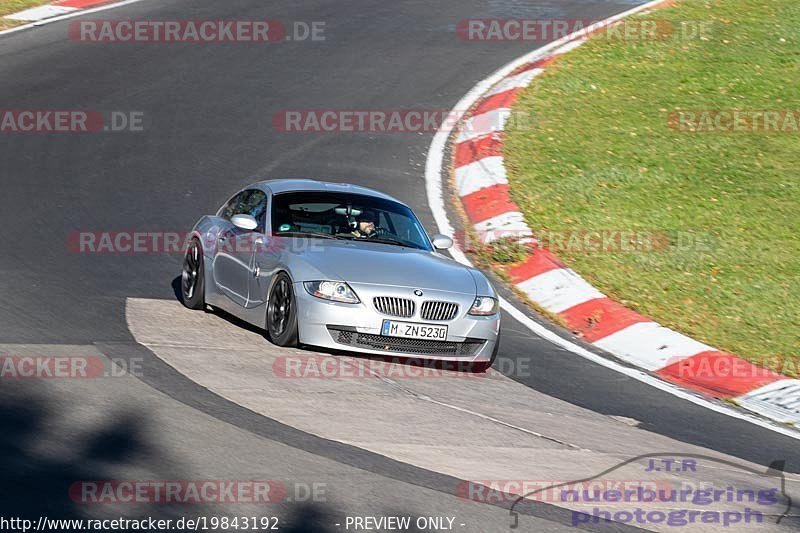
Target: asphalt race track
{"type": "Point", "coordinates": [208, 130]}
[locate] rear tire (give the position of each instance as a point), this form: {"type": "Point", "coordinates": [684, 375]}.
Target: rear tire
{"type": "Point", "coordinates": [193, 287]}
{"type": "Point", "coordinates": [282, 312]}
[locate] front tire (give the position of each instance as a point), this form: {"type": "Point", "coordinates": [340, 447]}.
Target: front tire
{"type": "Point", "coordinates": [282, 312]}
{"type": "Point", "coordinates": [193, 287]}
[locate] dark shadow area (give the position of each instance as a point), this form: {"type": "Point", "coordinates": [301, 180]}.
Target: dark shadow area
{"type": "Point", "coordinates": [239, 323]}
{"type": "Point", "coordinates": [41, 468]}
{"type": "Point", "coordinates": [176, 288]}
{"type": "Point", "coordinates": [308, 518]}
{"type": "Point", "coordinates": [35, 481]}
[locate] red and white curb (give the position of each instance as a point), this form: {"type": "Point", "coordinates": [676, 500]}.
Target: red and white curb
{"type": "Point", "coordinates": [60, 10]}
{"type": "Point", "coordinates": [480, 182]}
{"type": "Point", "coordinates": [55, 9]}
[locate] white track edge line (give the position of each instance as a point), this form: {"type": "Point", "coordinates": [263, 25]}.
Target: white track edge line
{"type": "Point", "coordinates": [436, 203]}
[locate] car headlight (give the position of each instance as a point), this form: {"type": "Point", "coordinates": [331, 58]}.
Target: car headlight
{"type": "Point", "coordinates": [337, 291]}
{"type": "Point", "coordinates": [484, 306]}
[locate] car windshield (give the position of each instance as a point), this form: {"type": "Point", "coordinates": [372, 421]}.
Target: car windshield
{"type": "Point", "coordinates": [347, 216]}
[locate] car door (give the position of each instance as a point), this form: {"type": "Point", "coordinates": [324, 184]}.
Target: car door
{"type": "Point", "coordinates": [266, 254]}
{"type": "Point", "coordinates": [250, 244]}
{"type": "Point", "coordinates": [233, 255]}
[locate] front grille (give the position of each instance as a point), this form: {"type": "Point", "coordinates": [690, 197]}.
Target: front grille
{"type": "Point", "coordinates": [345, 337]}
{"type": "Point", "coordinates": [439, 310]}
{"type": "Point", "coordinates": [391, 306]}
{"type": "Point", "coordinates": [409, 346]}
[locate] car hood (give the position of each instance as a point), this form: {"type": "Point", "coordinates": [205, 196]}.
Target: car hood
{"type": "Point", "coordinates": [384, 264]}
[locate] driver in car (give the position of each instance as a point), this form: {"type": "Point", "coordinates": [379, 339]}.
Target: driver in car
{"type": "Point", "coordinates": [365, 225]}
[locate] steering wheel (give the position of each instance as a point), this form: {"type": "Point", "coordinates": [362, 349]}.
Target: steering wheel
{"type": "Point", "coordinates": [379, 232]}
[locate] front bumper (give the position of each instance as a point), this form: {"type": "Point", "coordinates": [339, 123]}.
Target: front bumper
{"type": "Point", "coordinates": [357, 327]}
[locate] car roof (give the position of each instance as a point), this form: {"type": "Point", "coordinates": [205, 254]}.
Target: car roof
{"type": "Point", "coordinates": [296, 184]}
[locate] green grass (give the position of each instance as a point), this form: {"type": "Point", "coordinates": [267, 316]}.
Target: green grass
{"type": "Point", "coordinates": [13, 6]}
{"type": "Point", "coordinates": [504, 251]}
{"type": "Point", "coordinates": [601, 156]}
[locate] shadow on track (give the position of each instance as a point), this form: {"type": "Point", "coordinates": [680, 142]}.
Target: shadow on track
{"type": "Point", "coordinates": [42, 465]}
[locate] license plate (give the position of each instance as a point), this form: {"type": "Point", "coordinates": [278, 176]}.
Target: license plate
{"type": "Point", "coordinates": [410, 330]}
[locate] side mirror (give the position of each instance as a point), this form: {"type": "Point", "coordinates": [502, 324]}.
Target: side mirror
{"type": "Point", "coordinates": [246, 222]}
{"type": "Point", "coordinates": [442, 242]}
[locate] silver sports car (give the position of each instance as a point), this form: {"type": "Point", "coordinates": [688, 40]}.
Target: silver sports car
{"type": "Point", "coordinates": [342, 267]}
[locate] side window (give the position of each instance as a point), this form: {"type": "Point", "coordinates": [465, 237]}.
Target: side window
{"type": "Point", "coordinates": [250, 202]}
{"type": "Point", "coordinates": [253, 203]}
{"type": "Point", "coordinates": [229, 209]}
